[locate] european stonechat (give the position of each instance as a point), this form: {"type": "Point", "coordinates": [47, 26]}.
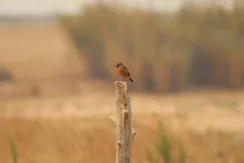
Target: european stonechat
{"type": "Point", "coordinates": [123, 71]}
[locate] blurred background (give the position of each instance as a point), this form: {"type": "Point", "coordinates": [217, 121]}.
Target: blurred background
{"type": "Point", "coordinates": [186, 58]}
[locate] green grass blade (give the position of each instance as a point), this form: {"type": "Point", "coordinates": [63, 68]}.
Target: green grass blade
{"type": "Point", "coordinates": [13, 151]}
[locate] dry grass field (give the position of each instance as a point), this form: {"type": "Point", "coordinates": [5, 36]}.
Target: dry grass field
{"type": "Point", "coordinates": [76, 128]}
{"type": "Point", "coordinates": [38, 51]}
{"type": "Point", "coordinates": [69, 121]}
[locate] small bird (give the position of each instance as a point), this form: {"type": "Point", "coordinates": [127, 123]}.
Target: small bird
{"type": "Point", "coordinates": [123, 71]}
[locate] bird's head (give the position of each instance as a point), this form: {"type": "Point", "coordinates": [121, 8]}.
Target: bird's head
{"type": "Point", "coordinates": [118, 64]}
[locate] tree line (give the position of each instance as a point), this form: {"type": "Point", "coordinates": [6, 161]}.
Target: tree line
{"type": "Point", "coordinates": [195, 47]}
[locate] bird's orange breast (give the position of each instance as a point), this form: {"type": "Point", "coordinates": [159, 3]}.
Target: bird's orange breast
{"type": "Point", "coordinates": [122, 71]}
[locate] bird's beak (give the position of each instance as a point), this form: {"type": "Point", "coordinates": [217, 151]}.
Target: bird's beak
{"type": "Point", "coordinates": [115, 66]}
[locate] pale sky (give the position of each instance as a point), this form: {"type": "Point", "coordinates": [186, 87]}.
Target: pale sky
{"type": "Point", "coordinates": [40, 7]}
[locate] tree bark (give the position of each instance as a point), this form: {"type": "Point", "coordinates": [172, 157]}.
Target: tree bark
{"type": "Point", "coordinates": [124, 131]}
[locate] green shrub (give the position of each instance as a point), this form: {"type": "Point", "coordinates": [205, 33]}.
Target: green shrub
{"type": "Point", "coordinates": [166, 149]}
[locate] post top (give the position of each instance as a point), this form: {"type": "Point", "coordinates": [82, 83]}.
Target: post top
{"type": "Point", "coordinates": [121, 84]}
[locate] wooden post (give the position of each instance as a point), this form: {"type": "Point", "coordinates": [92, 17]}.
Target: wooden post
{"type": "Point", "coordinates": [124, 131]}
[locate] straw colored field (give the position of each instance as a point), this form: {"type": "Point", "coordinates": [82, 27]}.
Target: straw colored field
{"type": "Point", "coordinates": [38, 51]}
{"type": "Point", "coordinates": [77, 129]}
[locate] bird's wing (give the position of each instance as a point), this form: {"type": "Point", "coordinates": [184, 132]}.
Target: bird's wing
{"type": "Point", "coordinates": [125, 67]}
{"type": "Point", "coordinates": [126, 70]}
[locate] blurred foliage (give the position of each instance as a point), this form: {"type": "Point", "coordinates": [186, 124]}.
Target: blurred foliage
{"type": "Point", "coordinates": [13, 151]}
{"type": "Point", "coordinates": [5, 75]}
{"type": "Point", "coordinates": [196, 47]}
{"type": "Point", "coordinates": [167, 148]}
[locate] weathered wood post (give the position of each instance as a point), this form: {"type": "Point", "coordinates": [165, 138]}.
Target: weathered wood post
{"type": "Point", "coordinates": [124, 131]}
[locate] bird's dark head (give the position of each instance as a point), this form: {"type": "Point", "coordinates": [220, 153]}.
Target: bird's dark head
{"type": "Point", "coordinates": [118, 64]}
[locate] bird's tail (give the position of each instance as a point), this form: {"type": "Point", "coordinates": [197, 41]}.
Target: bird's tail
{"type": "Point", "coordinates": [131, 79]}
